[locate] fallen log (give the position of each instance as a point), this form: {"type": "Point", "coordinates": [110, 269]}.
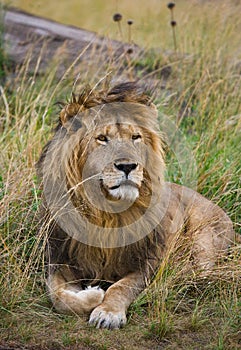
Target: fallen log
{"type": "Point", "coordinates": [24, 33]}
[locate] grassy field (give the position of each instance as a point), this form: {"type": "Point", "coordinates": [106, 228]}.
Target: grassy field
{"type": "Point", "coordinates": [202, 98]}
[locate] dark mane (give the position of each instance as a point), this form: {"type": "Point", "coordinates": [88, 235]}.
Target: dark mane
{"type": "Point", "coordinates": [88, 98]}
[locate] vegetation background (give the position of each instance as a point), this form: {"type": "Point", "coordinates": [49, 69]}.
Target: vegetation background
{"type": "Point", "coordinates": [202, 96]}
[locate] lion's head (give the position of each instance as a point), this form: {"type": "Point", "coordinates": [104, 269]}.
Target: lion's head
{"type": "Point", "coordinates": [117, 144]}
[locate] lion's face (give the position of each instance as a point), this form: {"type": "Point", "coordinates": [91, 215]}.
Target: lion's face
{"type": "Point", "coordinates": [118, 151]}
{"type": "Point", "coordinates": [120, 178]}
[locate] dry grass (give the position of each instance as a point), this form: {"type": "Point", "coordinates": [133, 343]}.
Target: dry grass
{"type": "Point", "coordinates": [202, 97]}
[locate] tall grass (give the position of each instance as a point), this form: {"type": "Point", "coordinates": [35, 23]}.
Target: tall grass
{"type": "Point", "coordinates": [202, 97]}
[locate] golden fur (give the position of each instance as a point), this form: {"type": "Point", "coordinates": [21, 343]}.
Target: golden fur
{"type": "Point", "coordinates": [129, 224]}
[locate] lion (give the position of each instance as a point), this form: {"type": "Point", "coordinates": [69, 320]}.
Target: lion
{"type": "Point", "coordinates": [109, 214]}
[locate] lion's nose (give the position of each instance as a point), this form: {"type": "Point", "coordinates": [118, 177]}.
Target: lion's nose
{"type": "Point", "coordinates": [126, 167]}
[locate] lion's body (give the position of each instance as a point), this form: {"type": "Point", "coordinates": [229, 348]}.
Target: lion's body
{"type": "Point", "coordinates": [110, 157]}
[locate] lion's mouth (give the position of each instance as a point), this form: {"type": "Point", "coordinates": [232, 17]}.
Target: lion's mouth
{"type": "Point", "coordinates": [124, 183]}
{"type": "Point", "coordinates": [126, 190]}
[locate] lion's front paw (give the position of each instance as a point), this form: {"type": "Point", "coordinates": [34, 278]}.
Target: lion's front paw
{"type": "Point", "coordinates": [104, 317]}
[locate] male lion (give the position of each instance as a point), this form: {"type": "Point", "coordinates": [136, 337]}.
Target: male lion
{"type": "Point", "coordinates": [109, 214]}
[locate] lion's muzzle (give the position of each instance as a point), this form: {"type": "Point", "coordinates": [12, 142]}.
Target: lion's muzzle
{"type": "Point", "coordinates": [122, 180]}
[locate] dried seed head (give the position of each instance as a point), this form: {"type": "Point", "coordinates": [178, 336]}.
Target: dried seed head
{"type": "Point", "coordinates": [173, 23]}
{"type": "Point", "coordinates": [171, 5]}
{"type": "Point", "coordinates": [130, 22]}
{"type": "Point", "coordinates": [117, 17]}
{"type": "Point", "coordinates": [129, 51]}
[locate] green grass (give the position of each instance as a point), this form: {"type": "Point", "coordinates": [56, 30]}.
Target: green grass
{"type": "Point", "coordinates": [202, 99]}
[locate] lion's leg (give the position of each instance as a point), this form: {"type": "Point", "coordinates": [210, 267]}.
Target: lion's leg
{"type": "Point", "coordinates": [204, 254]}
{"type": "Point", "coordinates": [67, 298]}
{"type": "Point", "coordinates": [209, 245]}
{"type": "Point", "coordinates": [111, 313]}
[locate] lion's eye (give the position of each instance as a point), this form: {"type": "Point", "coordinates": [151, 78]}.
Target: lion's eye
{"type": "Point", "coordinates": [102, 138]}
{"type": "Point", "coordinates": [136, 136]}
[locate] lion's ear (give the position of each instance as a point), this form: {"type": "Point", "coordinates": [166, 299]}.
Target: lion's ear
{"type": "Point", "coordinates": [69, 111]}
{"type": "Point", "coordinates": [69, 116]}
